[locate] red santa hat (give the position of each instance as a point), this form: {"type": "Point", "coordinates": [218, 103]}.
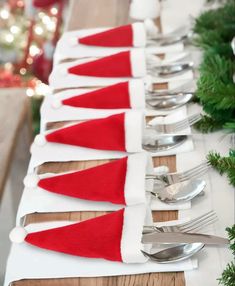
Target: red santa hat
{"type": "Point", "coordinates": [123, 64]}
{"type": "Point", "coordinates": [129, 94]}
{"type": "Point", "coordinates": [121, 181]}
{"type": "Point", "coordinates": [119, 132]}
{"type": "Point", "coordinates": [115, 236]}
{"type": "Point", "coordinates": [132, 35]}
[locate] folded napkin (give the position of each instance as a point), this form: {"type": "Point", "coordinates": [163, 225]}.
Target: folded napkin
{"type": "Point", "coordinates": [101, 188]}
{"type": "Point", "coordinates": [102, 102]}
{"type": "Point", "coordinates": [115, 236]}
{"type": "Point", "coordinates": [65, 145]}
{"type": "Point", "coordinates": [94, 72]}
{"type": "Point", "coordinates": [68, 48]}
{"type": "Point", "coordinates": [120, 181]}
{"type": "Point", "coordinates": [29, 262]}
{"type": "Point", "coordinates": [119, 132]}
{"type": "Point", "coordinates": [123, 95]}
{"type": "Point", "coordinates": [122, 132]}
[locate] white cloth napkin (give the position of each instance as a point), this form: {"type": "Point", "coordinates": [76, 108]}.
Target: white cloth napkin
{"type": "Point", "coordinates": [29, 262]}
{"type": "Point", "coordinates": [61, 152]}
{"type": "Point", "coordinates": [41, 201]}
{"type": "Point", "coordinates": [67, 113]}
{"type": "Point", "coordinates": [64, 50]}
{"type": "Point", "coordinates": [58, 80]}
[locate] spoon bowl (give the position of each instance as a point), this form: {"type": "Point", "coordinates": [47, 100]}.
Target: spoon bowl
{"type": "Point", "coordinates": [176, 253]}
{"type": "Point", "coordinates": [163, 143]}
{"type": "Point", "coordinates": [179, 192]}
{"type": "Point", "coordinates": [169, 102]}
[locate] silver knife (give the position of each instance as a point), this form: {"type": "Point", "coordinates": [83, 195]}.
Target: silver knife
{"type": "Point", "coordinates": [178, 237]}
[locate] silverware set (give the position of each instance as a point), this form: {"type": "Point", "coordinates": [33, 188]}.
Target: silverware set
{"type": "Point", "coordinates": [176, 126]}
{"type": "Point", "coordinates": [179, 187]}
{"type": "Point", "coordinates": [177, 177]}
{"type": "Point", "coordinates": [184, 238]}
{"type": "Point", "coordinates": [193, 225]}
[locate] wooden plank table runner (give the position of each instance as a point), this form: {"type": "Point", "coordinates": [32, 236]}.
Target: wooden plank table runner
{"type": "Point", "coordinates": [90, 14]}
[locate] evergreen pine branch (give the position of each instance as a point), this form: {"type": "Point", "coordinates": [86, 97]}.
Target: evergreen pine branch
{"type": "Point", "coordinates": [215, 87]}
{"type": "Point", "coordinates": [231, 237]}
{"type": "Point", "coordinates": [224, 165]}
{"type": "Point", "coordinates": [216, 27]}
{"type": "Point", "coordinates": [230, 126]}
{"type": "Point", "coordinates": [208, 124]}
{"type": "Point", "coordinates": [228, 275]}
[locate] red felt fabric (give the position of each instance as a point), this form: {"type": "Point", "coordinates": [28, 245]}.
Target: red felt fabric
{"type": "Point", "coordinates": [44, 3]}
{"type": "Point", "coordinates": [110, 97]}
{"type": "Point", "coordinates": [101, 183]}
{"type": "Point", "coordinates": [103, 134]}
{"type": "Point", "coordinates": [118, 37]}
{"type": "Point", "coordinates": [99, 237]}
{"type": "Point", "coordinates": [117, 65]}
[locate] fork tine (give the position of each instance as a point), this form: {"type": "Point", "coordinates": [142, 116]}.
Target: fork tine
{"type": "Point", "coordinates": [195, 169]}
{"type": "Point", "coordinates": [198, 173]}
{"type": "Point", "coordinates": [199, 227]}
{"type": "Point", "coordinates": [199, 221]}
{"type": "Point", "coordinates": [186, 120]}
{"type": "Point", "coordinates": [204, 163]}
{"type": "Point", "coordinates": [198, 218]}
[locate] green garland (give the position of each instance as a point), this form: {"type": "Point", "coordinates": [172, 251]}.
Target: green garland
{"type": "Point", "coordinates": [228, 276]}
{"type": "Point", "coordinates": [224, 165]}
{"type": "Point", "coordinates": [214, 31]}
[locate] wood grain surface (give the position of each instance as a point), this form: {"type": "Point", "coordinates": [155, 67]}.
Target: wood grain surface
{"type": "Point", "coordinates": [90, 14]}
{"type": "Point", "coordinates": [14, 110]}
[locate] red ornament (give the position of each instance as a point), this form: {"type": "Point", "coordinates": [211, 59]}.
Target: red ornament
{"type": "Point", "coordinates": [44, 3]}
{"type": "Point", "coordinates": [42, 67]}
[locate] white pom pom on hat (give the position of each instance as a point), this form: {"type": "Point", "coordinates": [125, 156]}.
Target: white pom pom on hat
{"type": "Point", "coordinates": [18, 234]}
{"type": "Point", "coordinates": [31, 181]}
{"type": "Point", "coordinates": [73, 41]}
{"type": "Point", "coordinates": [40, 140]}
{"type": "Point", "coordinates": [63, 71]}
{"type": "Point", "coordinates": [56, 104]}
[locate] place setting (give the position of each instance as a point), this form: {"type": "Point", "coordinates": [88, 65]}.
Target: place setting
{"type": "Point", "coordinates": [132, 180]}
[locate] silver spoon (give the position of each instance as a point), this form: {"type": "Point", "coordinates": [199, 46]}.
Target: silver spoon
{"type": "Point", "coordinates": [179, 192]}
{"type": "Point", "coordinates": [163, 143]}
{"type": "Point", "coordinates": [176, 253]}
{"type": "Point", "coordinates": [168, 70]}
{"type": "Point", "coordinates": [169, 102]}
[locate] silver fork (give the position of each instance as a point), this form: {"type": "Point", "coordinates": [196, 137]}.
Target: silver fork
{"type": "Point", "coordinates": [193, 225]}
{"type": "Point", "coordinates": [177, 126]}
{"type": "Point", "coordinates": [173, 178]}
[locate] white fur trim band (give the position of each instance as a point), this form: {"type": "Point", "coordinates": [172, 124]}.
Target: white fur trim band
{"type": "Point", "coordinates": [133, 222]}
{"type": "Point", "coordinates": [139, 35]}
{"type": "Point", "coordinates": [134, 124]}
{"type": "Point", "coordinates": [138, 63]}
{"type": "Point", "coordinates": [137, 93]}
{"type": "Point", "coordinates": [135, 179]}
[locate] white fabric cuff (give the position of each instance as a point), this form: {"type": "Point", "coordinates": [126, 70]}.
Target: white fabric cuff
{"type": "Point", "coordinates": [139, 35]}
{"type": "Point", "coordinates": [137, 93]}
{"type": "Point", "coordinates": [134, 219]}
{"type": "Point", "coordinates": [134, 125]}
{"type": "Point", "coordinates": [135, 179]}
{"type": "Point", "coordinates": [138, 63]}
